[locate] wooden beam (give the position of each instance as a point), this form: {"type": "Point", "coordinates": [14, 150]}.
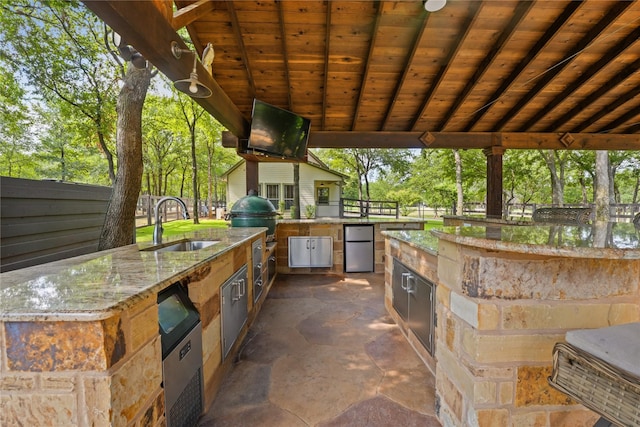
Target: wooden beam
{"type": "Point", "coordinates": [550, 74]}
{"type": "Point", "coordinates": [367, 66]}
{"type": "Point", "coordinates": [520, 12]}
{"type": "Point", "coordinates": [142, 25]}
{"type": "Point", "coordinates": [471, 140]}
{"type": "Point", "coordinates": [595, 68]}
{"type": "Point", "coordinates": [624, 74]}
{"type": "Point", "coordinates": [237, 33]}
{"type": "Point", "coordinates": [474, 12]}
{"type": "Point", "coordinates": [190, 13]}
{"type": "Point", "coordinates": [560, 21]}
{"type": "Point", "coordinates": [417, 42]}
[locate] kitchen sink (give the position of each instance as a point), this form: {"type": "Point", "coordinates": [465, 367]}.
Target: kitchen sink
{"type": "Point", "coordinates": [184, 246]}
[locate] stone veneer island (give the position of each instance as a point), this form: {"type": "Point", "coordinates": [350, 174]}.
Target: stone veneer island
{"type": "Point", "coordinates": [79, 339]}
{"type": "Point", "coordinates": [504, 296]}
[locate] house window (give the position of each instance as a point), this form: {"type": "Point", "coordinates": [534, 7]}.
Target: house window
{"type": "Point", "coordinates": [323, 195]}
{"type": "Point", "coordinates": [288, 196]}
{"type": "Point", "coordinates": [273, 194]}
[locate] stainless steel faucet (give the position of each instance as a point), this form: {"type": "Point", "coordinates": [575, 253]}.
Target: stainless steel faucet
{"type": "Point", "coordinates": [157, 228]}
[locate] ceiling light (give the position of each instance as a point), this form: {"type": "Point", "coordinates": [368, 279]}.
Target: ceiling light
{"type": "Point", "coordinates": [191, 86]}
{"type": "Point", "coordinates": [434, 5]}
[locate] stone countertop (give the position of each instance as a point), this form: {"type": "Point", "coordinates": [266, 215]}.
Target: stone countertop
{"type": "Point", "coordinates": [600, 240]}
{"type": "Point", "coordinates": [94, 286]}
{"type": "Point", "coordinates": [333, 220]}
{"type": "Point", "coordinates": [419, 239]}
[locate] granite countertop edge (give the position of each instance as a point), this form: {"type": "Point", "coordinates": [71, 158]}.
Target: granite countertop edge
{"type": "Point", "coordinates": [99, 285]}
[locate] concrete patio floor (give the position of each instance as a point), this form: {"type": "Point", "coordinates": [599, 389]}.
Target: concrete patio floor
{"type": "Point", "coordinates": [324, 352]}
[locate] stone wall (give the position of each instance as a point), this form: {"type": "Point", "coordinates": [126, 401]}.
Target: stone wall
{"type": "Point", "coordinates": [113, 378]}
{"type": "Point", "coordinates": [499, 315]}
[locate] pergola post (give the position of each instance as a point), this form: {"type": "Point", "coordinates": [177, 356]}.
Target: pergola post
{"type": "Point", "coordinates": [494, 181]}
{"type": "Point", "coordinates": [252, 175]}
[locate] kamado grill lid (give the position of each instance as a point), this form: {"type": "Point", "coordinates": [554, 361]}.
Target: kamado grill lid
{"type": "Point", "coordinates": [253, 206]}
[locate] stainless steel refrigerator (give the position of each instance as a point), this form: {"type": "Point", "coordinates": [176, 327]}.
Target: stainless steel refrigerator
{"type": "Point", "coordinates": [358, 248]}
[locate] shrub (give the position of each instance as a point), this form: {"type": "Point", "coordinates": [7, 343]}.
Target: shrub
{"type": "Point", "coordinates": [310, 211]}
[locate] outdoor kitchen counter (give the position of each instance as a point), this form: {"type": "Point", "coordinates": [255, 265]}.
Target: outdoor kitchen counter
{"type": "Point", "coordinates": [600, 240]}
{"type": "Point", "coordinates": [79, 338]}
{"type": "Point", "coordinates": [97, 285]}
{"type": "Point", "coordinates": [334, 228]}
{"type": "Point", "coordinates": [331, 220]}
{"type": "Point", "coordinates": [504, 296]}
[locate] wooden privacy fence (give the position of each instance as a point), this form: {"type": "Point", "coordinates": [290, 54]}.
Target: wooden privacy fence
{"type": "Point", "coordinates": [42, 221]}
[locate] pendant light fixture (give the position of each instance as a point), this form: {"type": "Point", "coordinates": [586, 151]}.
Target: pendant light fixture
{"type": "Point", "coordinates": [191, 86]}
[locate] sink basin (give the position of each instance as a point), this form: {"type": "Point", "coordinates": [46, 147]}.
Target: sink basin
{"type": "Point", "coordinates": [184, 246]}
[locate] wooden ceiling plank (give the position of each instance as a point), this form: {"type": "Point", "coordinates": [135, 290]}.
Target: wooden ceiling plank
{"type": "Point", "coordinates": [186, 15]}
{"type": "Point", "coordinates": [635, 128]}
{"type": "Point", "coordinates": [285, 52]}
{"type": "Point", "coordinates": [620, 121]}
{"type": "Point", "coordinates": [521, 11]}
{"type": "Point", "coordinates": [549, 75]}
{"type": "Point", "coordinates": [437, 81]}
{"type": "Point", "coordinates": [558, 23]}
{"type": "Point", "coordinates": [237, 33]}
{"type": "Point", "coordinates": [594, 96]}
{"type": "Point", "coordinates": [327, 51]}
{"type": "Point", "coordinates": [143, 26]}
{"type": "Point", "coordinates": [406, 67]}
{"type": "Point", "coordinates": [581, 80]}
{"type": "Point", "coordinates": [365, 74]}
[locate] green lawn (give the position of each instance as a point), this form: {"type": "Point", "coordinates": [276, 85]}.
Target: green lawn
{"type": "Point", "coordinates": [145, 234]}
{"type": "Point", "coordinates": [432, 223]}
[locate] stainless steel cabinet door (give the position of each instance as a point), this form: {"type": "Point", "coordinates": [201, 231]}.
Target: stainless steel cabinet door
{"type": "Point", "coordinates": [310, 251]}
{"type": "Point", "coordinates": [234, 308]}
{"type": "Point", "coordinates": [321, 252]}
{"type": "Point", "coordinates": [421, 311]}
{"type": "Point", "coordinates": [299, 251]}
{"type": "Point", "coordinates": [399, 288]}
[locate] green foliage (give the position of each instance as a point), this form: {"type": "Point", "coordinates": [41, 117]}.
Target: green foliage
{"type": "Point", "coordinates": [310, 211]}
{"type": "Point", "coordinates": [177, 228]}
{"type": "Point", "coordinates": [57, 50]}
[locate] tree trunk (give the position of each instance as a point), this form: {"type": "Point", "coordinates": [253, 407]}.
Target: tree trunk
{"type": "Point", "coordinates": [602, 186]}
{"type": "Point", "coordinates": [119, 225]}
{"type": "Point", "coordinates": [107, 153]}
{"type": "Point", "coordinates": [459, 192]}
{"type": "Point", "coordinates": [194, 179]}
{"type": "Point", "coordinates": [210, 178]}
{"type": "Point", "coordinates": [557, 179]}
{"type": "Point", "coordinates": [296, 190]}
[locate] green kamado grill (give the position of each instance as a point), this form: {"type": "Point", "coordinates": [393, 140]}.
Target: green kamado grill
{"type": "Point", "coordinates": [254, 211]}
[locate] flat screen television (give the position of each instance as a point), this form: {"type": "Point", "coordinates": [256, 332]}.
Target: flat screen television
{"type": "Point", "coordinates": [278, 132]}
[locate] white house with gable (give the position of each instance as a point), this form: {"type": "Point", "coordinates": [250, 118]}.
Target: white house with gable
{"type": "Point", "coordinates": [319, 186]}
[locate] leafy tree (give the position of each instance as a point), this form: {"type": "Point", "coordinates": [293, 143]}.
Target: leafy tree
{"type": "Point", "coordinates": [192, 113]}
{"type": "Point", "coordinates": [15, 142]}
{"type": "Point", "coordinates": [58, 46]}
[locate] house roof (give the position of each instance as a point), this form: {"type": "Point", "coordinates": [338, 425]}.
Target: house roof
{"type": "Point", "coordinates": [312, 160]}
{"type": "Point", "coordinates": [516, 74]}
